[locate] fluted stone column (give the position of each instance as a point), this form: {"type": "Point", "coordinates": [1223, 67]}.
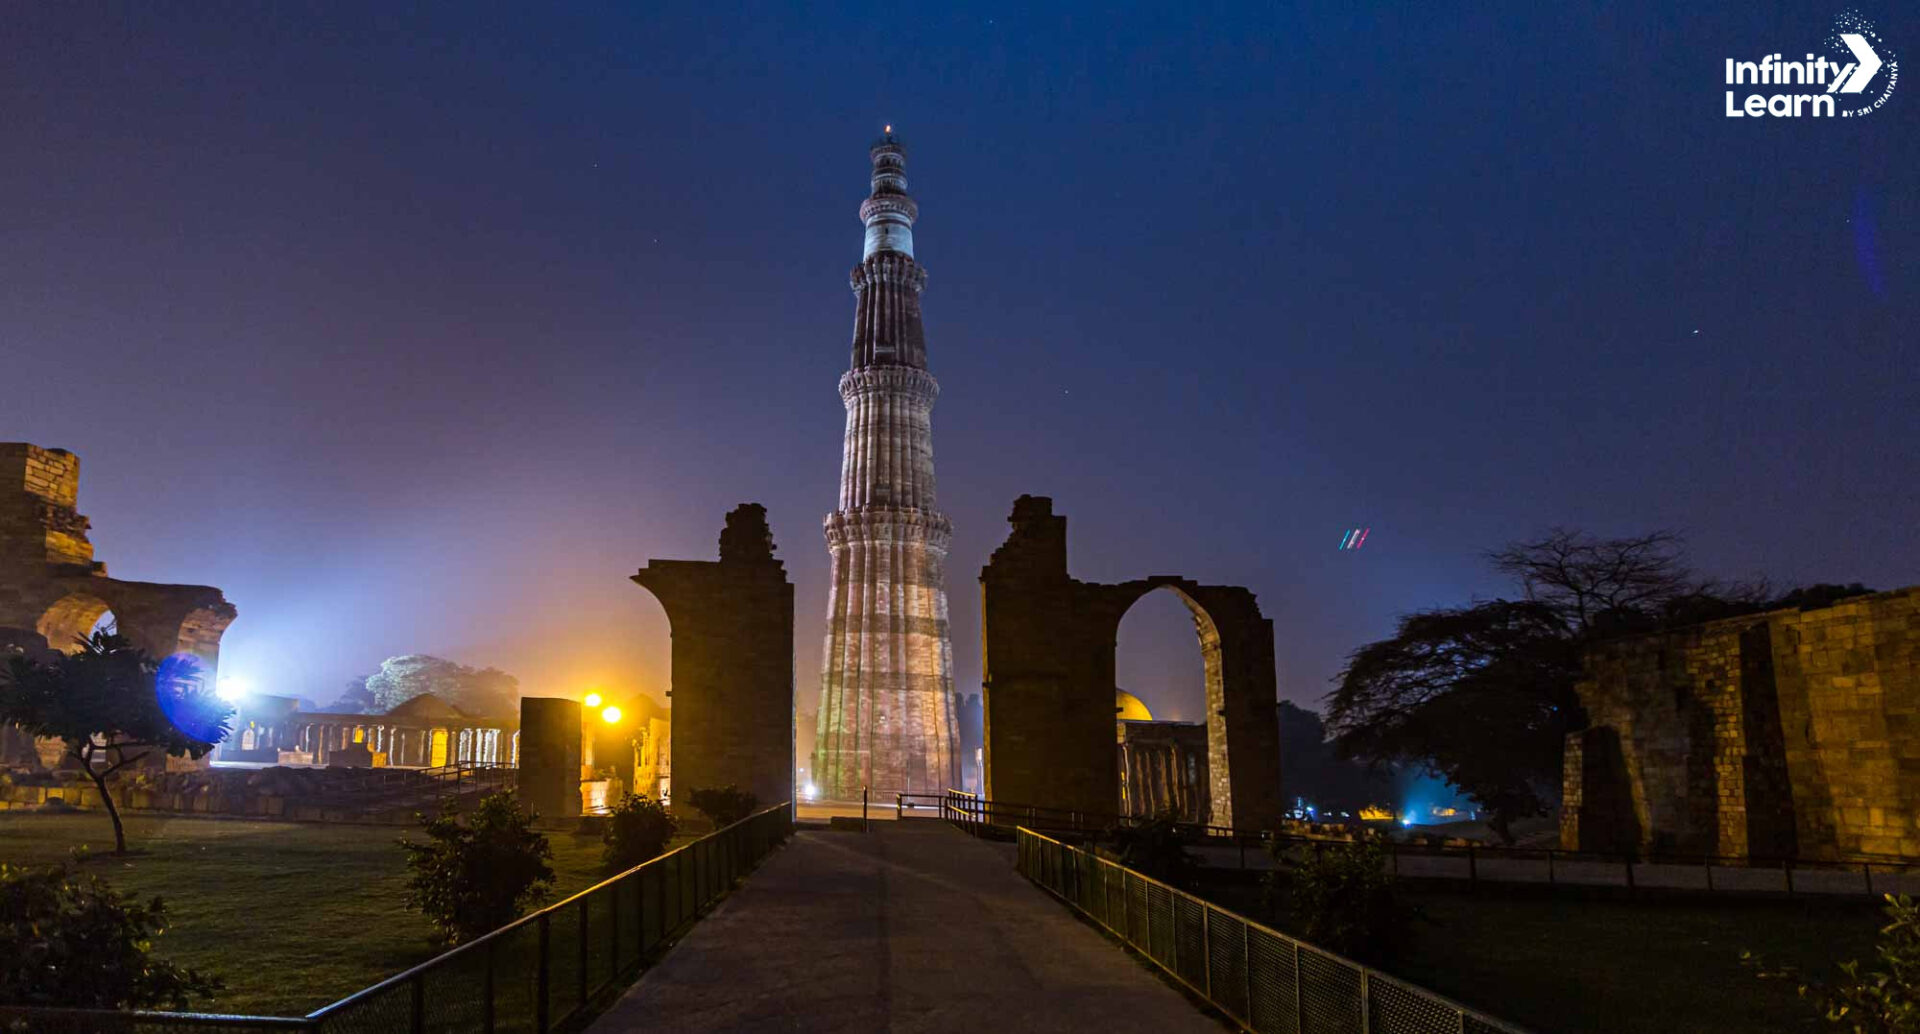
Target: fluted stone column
{"type": "Point", "coordinates": [887, 719]}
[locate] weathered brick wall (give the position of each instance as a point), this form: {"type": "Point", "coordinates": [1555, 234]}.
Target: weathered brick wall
{"type": "Point", "coordinates": [1791, 733]}
{"type": "Point", "coordinates": [38, 491]}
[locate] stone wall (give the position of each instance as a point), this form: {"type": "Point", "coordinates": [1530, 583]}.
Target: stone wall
{"type": "Point", "coordinates": [732, 693]}
{"type": "Point", "coordinates": [39, 489]}
{"type": "Point", "coordinates": [1047, 657]}
{"type": "Point", "coordinates": [1786, 734]}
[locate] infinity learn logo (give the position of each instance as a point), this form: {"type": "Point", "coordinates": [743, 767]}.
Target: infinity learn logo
{"type": "Point", "coordinates": [1857, 83]}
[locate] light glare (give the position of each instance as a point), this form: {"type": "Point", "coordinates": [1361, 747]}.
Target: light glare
{"type": "Point", "coordinates": [611, 716]}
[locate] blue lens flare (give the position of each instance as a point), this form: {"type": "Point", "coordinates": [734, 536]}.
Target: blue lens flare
{"type": "Point", "coordinates": [188, 701]}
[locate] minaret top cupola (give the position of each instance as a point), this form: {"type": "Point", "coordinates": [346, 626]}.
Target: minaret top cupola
{"type": "Point", "coordinates": [888, 211]}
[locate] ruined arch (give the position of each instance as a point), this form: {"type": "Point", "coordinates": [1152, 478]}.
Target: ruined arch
{"type": "Point", "coordinates": [50, 582]}
{"type": "Point", "coordinates": [69, 619]}
{"type": "Point", "coordinates": [1047, 659]}
{"type": "Point", "coordinates": [732, 626]}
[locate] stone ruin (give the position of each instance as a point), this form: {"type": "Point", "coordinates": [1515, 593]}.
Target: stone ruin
{"type": "Point", "coordinates": [1047, 656]}
{"type": "Point", "coordinates": [732, 694]}
{"type": "Point", "coordinates": [1788, 734]}
{"type": "Point", "coordinates": [52, 590]}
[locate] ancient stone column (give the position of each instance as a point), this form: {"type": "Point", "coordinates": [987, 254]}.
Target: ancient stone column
{"type": "Point", "coordinates": [887, 719]}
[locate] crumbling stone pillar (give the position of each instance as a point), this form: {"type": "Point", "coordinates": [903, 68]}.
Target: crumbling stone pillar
{"type": "Point", "coordinates": [732, 690]}
{"type": "Point", "coordinates": [550, 737]}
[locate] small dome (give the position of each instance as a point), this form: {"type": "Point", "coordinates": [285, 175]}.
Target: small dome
{"type": "Point", "coordinates": [1130, 707]}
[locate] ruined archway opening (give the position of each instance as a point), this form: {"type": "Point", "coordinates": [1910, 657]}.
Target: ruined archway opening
{"type": "Point", "coordinates": [1168, 702]}
{"type": "Point", "coordinates": [73, 619]}
{"type": "Point", "coordinates": [637, 750]}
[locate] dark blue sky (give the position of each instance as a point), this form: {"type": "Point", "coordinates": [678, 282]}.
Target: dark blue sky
{"type": "Point", "coordinates": [419, 331]}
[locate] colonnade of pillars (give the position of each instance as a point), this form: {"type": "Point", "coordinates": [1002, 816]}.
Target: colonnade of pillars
{"type": "Point", "coordinates": [1163, 778]}
{"type": "Point", "coordinates": [409, 746]}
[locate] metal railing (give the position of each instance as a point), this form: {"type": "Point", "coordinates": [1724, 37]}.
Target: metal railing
{"type": "Point", "coordinates": [1260, 978]}
{"type": "Point", "coordinates": [1858, 874]}
{"type": "Point", "coordinates": [528, 977]}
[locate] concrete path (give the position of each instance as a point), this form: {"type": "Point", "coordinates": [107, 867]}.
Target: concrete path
{"type": "Point", "coordinates": [912, 927]}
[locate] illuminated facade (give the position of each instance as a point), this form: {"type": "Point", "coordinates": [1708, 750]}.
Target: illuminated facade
{"type": "Point", "coordinates": [886, 720]}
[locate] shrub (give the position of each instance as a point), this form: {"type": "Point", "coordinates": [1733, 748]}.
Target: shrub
{"type": "Point", "coordinates": [1885, 1000]}
{"type": "Point", "coordinates": [474, 878]}
{"type": "Point", "coordinates": [1343, 897]}
{"type": "Point", "coordinates": [724, 806]}
{"type": "Point", "coordinates": [637, 831]}
{"type": "Point", "coordinates": [1157, 848]}
{"type": "Point", "coordinates": [74, 941]}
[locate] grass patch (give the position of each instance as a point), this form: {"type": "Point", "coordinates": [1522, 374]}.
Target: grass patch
{"type": "Point", "coordinates": [1645, 966]}
{"type": "Point", "coordinates": [292, 915]}
{"type": "Point", "coordinates": [1575, 964]}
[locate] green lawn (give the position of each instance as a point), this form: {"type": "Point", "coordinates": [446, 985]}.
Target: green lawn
{"type": "Point", "coordinates": [293, 916]}
{"type": "Point", "coordinates": [1586, 966]}
{"type": "Point", "coordinates": [1583, 965]}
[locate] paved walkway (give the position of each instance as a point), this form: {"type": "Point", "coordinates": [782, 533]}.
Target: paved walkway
{"type": "Point", "coordinates": [914, 927]}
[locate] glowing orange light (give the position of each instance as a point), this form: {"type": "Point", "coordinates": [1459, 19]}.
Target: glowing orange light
{"type": "Point", "coordinates": [592, 700]}
{"type": "Point", "coordinates": [611, 716]}
{"type": "Point", "coordinates": [889, 128]}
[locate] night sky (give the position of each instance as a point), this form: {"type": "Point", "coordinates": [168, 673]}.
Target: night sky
{"type": "Point", "coordinates": [419, 331]}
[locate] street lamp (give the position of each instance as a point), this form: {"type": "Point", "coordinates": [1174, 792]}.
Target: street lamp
{"type": "Point", "coordinates": [592, 700]}
{"type": "Point", "coordinates": [610, 715]}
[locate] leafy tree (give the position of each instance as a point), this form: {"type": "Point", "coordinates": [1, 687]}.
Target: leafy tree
{"type": "Point", "coordinates": [1156, 848]}
{"type": "Point", "coordinates": [1311, 768]}
{"type": "Point", "coordinates": [483, 691]}
{"type": "Point", "coordinates": [114, 706]}
{"type": "Point", "coordinates": [1884, 1000]}
{"type": "Point", "coordinates": [638, 829]}
{"type": "Point", "coordinates": [471, 879]}
{"type": "Point", "coordinates": [1343, 897]}
{"type": "Point", "coordinates": [725, 806]}
{"type": "Point", "coordinates": [1482, 695]}
{"type": "Point", "coordinates": [73, 941]}
{"type": "Point", "coordinates": [355, 698]}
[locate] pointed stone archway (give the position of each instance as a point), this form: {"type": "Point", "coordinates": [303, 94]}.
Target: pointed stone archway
{"type": "Point", "coordinates": [52, 591]}
{"type": "Point", "coordinates": [1047, 661]}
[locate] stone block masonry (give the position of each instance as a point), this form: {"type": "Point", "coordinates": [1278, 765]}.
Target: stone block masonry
{"type": "Point", "coordinates": [52, 591]}
{"type": "Point", "coordinates": [1047, 656]}
{"type": "Point", "coordinates": [732, 692]}
{"type": "Point", "coordinates": [1786, 734]}
{"type": "Point", "coordinates": [887, 720]}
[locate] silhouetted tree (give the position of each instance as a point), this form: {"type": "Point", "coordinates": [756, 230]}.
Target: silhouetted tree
{"type": "Point", "coordinates": [1482, 696]}
{"type": "Point", "coordinates": [356, 698]}
{"type": "Point", "coordinates": [1313, 770]}
{"type": "Point", "coordinates": [114, 706]}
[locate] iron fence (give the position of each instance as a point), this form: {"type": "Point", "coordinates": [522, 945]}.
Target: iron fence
{"type": "Point", "coordinates": [1855, 875]}
{"type": "Point", "coordinates": [1263, 980]}
{"type": "Point", "coordinates": [529, 977]}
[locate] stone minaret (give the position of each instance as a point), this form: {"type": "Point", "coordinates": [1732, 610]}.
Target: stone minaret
{"type": "Point", "coordinates": [886, 683]}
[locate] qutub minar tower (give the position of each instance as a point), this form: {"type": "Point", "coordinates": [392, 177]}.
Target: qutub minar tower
{"type": "Point", "coordinates": [886, 683]}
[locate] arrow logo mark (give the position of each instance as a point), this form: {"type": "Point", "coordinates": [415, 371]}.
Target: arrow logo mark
{"type": "Point", "coordinates": [1866, 63]}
